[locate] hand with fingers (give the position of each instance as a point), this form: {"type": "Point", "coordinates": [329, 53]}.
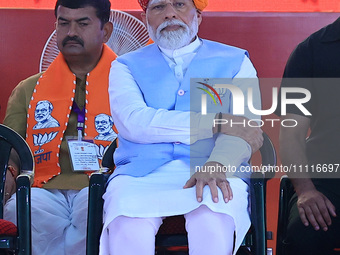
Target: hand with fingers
{"type": "Point", "coordinates": [214, 179]}
{"type": "Point", "coordinates": [315, 209]}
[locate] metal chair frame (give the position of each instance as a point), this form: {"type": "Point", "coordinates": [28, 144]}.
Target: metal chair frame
{"type": "Point", "coordinates": [9, 139]}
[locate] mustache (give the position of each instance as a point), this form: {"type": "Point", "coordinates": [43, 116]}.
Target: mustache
{"type": "Point", "coordinates": [170, 23]}
{"type": "Point", "coordinates": [74, 39]}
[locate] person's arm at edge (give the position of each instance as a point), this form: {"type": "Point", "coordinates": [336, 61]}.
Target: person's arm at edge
{"type": "Point", "coordinates": [314, 208]}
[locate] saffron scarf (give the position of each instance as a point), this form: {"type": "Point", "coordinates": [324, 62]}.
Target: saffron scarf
{"type": "Point", "coordinates": [50, 107]}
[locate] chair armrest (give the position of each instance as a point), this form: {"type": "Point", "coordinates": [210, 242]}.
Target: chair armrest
{"type": "Point", "coordinates": [258, 211]}
{"type": "Point", "coordinates": [95, 211]}
{"type": "Point", "coordinates": [26, 174]}
{"type": "Point", "coordinates": [286, 192]}
{"type": "Point", "coordinates": [23, 194]}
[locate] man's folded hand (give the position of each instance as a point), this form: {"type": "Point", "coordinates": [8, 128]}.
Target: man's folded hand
{"type": "Point", "coordinates": [239, 126]}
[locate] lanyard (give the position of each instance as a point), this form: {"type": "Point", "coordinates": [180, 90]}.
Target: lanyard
{"type": "Point", "coordinates": [80, 118]}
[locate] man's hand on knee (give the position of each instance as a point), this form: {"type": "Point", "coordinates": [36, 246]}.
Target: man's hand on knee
{"type": "Point", "coordinates": [214, 179]}
{"type": "Point", "coordinates": [315, 208]}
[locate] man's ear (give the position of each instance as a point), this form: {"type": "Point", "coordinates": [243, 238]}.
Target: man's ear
{"type": "Point", "coordinates": [108, 28]}
{"type": "Point", "coordinates": [199, 16]}
{"type": "Point", "coordinates": [143, 16]}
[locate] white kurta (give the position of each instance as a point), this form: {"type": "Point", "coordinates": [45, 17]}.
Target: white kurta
{"type": "Point", "coordinates": [161, 192]}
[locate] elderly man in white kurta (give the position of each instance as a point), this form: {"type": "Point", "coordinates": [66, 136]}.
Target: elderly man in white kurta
{"type": "Point", "coordinates": [161, 134]}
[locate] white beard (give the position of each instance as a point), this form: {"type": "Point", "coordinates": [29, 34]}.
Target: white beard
{"type": "Point", "coordinates": [175, 39]}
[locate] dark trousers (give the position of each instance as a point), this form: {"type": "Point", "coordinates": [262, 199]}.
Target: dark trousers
{"type": "Point", "coordinates": [302, 240]}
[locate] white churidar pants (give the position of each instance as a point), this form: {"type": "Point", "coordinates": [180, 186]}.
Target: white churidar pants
{"type": "Point", "coordinates": [130, 236]}
{"type": "Point", "coordinates": [148, 199]}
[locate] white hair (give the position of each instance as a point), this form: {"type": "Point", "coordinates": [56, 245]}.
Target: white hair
{"type": "Point", "coordinates": [174, 39]}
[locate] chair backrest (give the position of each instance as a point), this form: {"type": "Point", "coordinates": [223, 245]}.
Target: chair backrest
{"type": "Point", "coordinates": [268, 154]}
{"type": "Point", "coordinates": [107, 160]}
{"type": "Point", "coordinates": [10, 139]}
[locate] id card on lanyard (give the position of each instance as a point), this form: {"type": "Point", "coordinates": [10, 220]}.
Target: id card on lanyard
{"type": "Point", "coordinates": [82, 150]}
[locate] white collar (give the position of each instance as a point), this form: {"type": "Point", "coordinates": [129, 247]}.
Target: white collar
{"type": "Point", "coordinates": [190, 48]}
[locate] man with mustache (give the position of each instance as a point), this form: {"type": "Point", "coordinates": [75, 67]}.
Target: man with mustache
{"type": "Point", "coordinates": [74, 86]}
{"type": "Point", "coordinates": [163, 135]}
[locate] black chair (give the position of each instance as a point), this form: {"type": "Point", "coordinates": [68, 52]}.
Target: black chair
{"type": "Point", "coordinates": [171, 237]}
{"type": "Point", "coordinates": [21, 243]}
{"type": "Point", "coordinates": [97, 187]}
{"type": "Point", "coordinates": [255, 242]}
{"type": "Point", "coordinates": [286, 192]}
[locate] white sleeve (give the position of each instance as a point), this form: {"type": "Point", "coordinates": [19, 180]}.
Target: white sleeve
{"type": "Point", "coordinates": [139, 123]}
{"type": "Point", "coordinates": [232, 150]}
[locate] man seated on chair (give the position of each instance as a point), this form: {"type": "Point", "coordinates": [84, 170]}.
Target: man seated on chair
{"type": "Point", "coordinates": [313, 226]}
{"type": "Point", "coordinates": [152, 178]}
{"type": "Point", "coordinates": [75, 87]}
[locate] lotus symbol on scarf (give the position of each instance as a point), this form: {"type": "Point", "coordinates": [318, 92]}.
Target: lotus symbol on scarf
{"type": "Point", "coordinates": [100, 150]}
{"type": "Point", "coordinates": [41, 139]}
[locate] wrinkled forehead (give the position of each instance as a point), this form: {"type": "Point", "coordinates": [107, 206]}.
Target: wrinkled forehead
{"type": "Point", "coordinates": [155, 1]}
{"type": "Point", "coordinates": [152, 2]}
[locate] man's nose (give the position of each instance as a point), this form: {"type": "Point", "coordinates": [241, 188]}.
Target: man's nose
{"type": "Point", "coordinates": [72, 31]}
{"type": "Point", "coordinates": [170, 12]}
